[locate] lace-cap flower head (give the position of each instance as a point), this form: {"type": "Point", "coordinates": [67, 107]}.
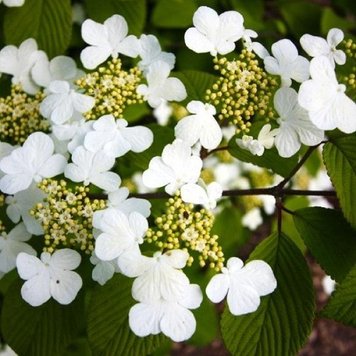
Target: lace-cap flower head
{"type": "Point", "coordinates": [214, 33]}
{"type": "Point", "coordinates": [31, 162]}
{"type": "Point", "coordinates": [317, 46]}
{"type": "Point", "coordinates": [325, 100]}
{"type": "Point", "coordinates": [105, 40]}
{"type": "Point", "coordinates": [49, 276]}
{"type": "Point", "coordinates": [243, 285]}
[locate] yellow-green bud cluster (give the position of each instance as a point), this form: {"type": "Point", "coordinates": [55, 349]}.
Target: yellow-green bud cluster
{"type": "Point", "coordinates": [2, 227]}
{"type": "Point", "coordinates": [2, 200]}
{"type": "Point", "coordinates": [20, 116]}
{"type": "Point", "coordinates": [243, 90]}
{"type": "Point", "coordinates": [349, 46]}
{"type": "Point", "coordinates": [112, 87]}
{"type": "Point", "coordinates": [66, 216]}
{"type": "Point", "coordinates": [182, 227]}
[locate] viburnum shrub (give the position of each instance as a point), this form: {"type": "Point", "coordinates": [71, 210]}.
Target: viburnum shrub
{"type": "Point", "coordinates": [130, 179]}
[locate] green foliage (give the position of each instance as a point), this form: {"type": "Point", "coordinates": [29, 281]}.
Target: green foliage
{"type": "Point", "coordinates": [134, 12]}
{"type": "Point", "coordinates": [49, 22]}
{"type": "Point", "coordinates": [196, 83]}
{"type": "Point", "coordinates": [108, 329]}
{"type": "Point", "coordinates": [329, 238]}
{"type": "Point", "coordinates": [340, 159]}
{"type": "Point", "coordinates": [331, 20]}
{"type": "Point", "coordinates": [173, 13]}
{"type": "Point", "coordinates": [283, 321]}
{"type": "Point", "coordinates": [41, 331]}
{"type": "Point", "coordinates": [342, 305]}
{"type": "Point", "coordinates": [270, 159]}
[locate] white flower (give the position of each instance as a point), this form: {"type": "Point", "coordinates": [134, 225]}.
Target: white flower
{"type": "Point", "coordinates": [202, 194]}
{"type": "Point", "coordinates": [103, 270]}
{"type": "Point", "coordinates": [325, 99]}
{"type": "Point", "coordinates": [11, 245]}
{"type": "Point", "coordinates": [62, 102]}
{"type": "Point", "coordinates": [19, 61]}
{"type": "Point", "coordinates": [150, 51]}
{"type": "Point", "coordinates": [5, 150]}
{"type": "Point", "coordinates": [243, 285]}
{"type": "Point", "coordinates": [50, 276]}
{"type": "Point", "coordinates": [201, 126]}
{"type": "Point", "coordinates": [295, 126]}
{"type": "Point", "coordinates": [19, 206]}
{"type": "Point", "coordinates": [176, 167]}
{"type": "Point", "coordinates": [162, 113]}
{"type": "Point", "coordinates": [105, 40]}
{"type": "Point", "coordinates": [316, 46]}
{"type": "Point", "coordinates": [161, 88]}
{"type": "Point", "coordinates": [252, 219]}
{"type": "Point", "coordinates": [120, 233]}
{"type": "Point", "coordinates": [165, 295]}
{"type": "Point", "coordinates": [214, 33]}
{"type": "Point", "coordinates": [13, 3]}
{"type": "Point", "coordinates": [115, 139]}
{"type": "Point", "coordinates": [59, 68]}
{"type": "Point", "coordinates": [320, 182]}
{"type": "Point", "coordinates": [256, 47]}
{"type": "Point", "coordinates": [31, 162]}
{"type": "Point", "coordinates": [287, 63]}
{"type": "Point", "coordinates": [265, 140]}
{"type": "Point", "coordinates": [90, 167]}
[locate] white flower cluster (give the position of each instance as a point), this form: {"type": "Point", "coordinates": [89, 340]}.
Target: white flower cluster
{"type": "Point", "coordinates": [86, 151]}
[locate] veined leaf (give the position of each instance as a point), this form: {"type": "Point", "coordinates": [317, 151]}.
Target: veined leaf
{"type": "Point", "coordinates": [49, 22]}
{"type": "Point", "coordinates": [283, 321]}
{"type": "Point", "coordinates": [270, 159]}
{"type": "Point", "coordinates": [108, 328]}
{"type": "Point", "coordinates": [134, 12]}
{"type": "Point", "coordinates": [342, 305]}
{"type": "Point", "coordinates": [329, 238]}
{"type": "Point", "coordinates": [39, 331]}
{"type": "Point", "coordinates": [340, 160]}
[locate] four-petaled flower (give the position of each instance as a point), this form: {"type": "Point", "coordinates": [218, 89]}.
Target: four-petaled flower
{"type": "Point", "coordinates": [243, 285]}
{"type": "Point", "coordinates": [49, 276]}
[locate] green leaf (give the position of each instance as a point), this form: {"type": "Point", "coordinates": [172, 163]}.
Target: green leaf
{"type": "Point", "coordinates": [44, 330]}
{"type": "Point", "coordinates": [108, 328]}
{"type": "Point", "coordinates": [330, 20]}
{"type": "Point", "coordinates": [173, 13]}
{"type": "Point", "coordinates": [270, 159]}
{"type": "Point", "coordinates": [49, 22]}
{"type": "Point", "coordinates": [283, 321]}
{"type": "Point", "coordinates": [342, 305]}
{"type": "Point", "coordinates": [232, 235]}
{"type": "Point", "coordinates": [134, 12]}
{"type": "Point", "coordinates": [196, 83]}
{"type": "Point", "coordinates": [340, 160]}
{"type": "Point", "coordinates": [329, 238]}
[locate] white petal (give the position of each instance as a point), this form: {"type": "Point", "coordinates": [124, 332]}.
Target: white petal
{"type": "Point", "coordinates": [345, 113]}
{"type": "Point", "coordinates": [197, 42]}
{"type": "Point", "coordinates": [75, 173]}
{"type": "Point", "coordinates": [176, 258]}
{"type": "Point", "coordinates": [144, 319]}
{"type": "Point", "coordinates": [11, 184]}
{"type": "Point", "coordinates": [139, 137]}
{"type": "Point", "coordinates": [211, 134]}
{"type": "Point", "coordinates": [64, 286]}
{"type": "Point", "coordinates": [300, 71]}
{"type": "Point", "coordinates": [339, 57]}
{"type": "Point", "coordinates": [285, 100]}
{"type": "Point", "coordinates": [287, 141]}
{"type": "Point", "coordinates": [102, 272]}
{"type": "Point", "coordinates": [133, 264]}
{"type": "Point", "coordinates": [188, 129]}
{"type": "Point", "coordinates": [65, 259]}
{"type": "Point", "coordinates": [284, 51]}
{"type": "Point", "coordinates": [157, 175]}
{"type": "Point", "coordinates": [314, 46]}
{"type": "Point", "coordinates": [108, 181]}
{"type": "Point", "coordinates": [206, 20]}
{"type": "Point", "coordinates": [82, 103]}
{"type": "Point", "coordinates": [194, 193]}
{"type": "Point", "coordinates": [36, 291]}
{"type": "Point", "coordinates": [242, 298]}
{"type": "Point", "coordinates": [138, 224]}
{"type": "Point", "coordinates": [335, 36]}
{"type": "Point", "coordinates": [53, 166]}
{"type": "Point", "coordinates": [192, 298]}
{"type": "Point", "coordinates": [108, 247]}
{"type": "Point", "coordinates": [261, 276]}
{"type": "Point", "coordinates": [19, 233]}
{"type": "Point", "coordinates": [94, 33]}
{"type": "Point", "coordinates": [92, 56]}
{"type": "Point", "coordinates": [29, 266]}
{"type": "Point", "coordinates": [218, 287]}
{"type": "Point", "coordinates": [177, 322]}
